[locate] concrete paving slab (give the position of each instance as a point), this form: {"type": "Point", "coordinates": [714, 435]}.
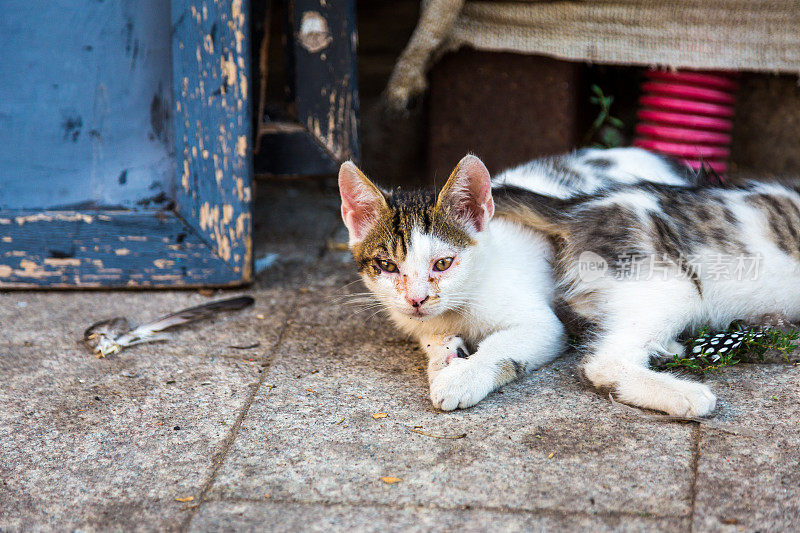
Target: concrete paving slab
{"type": "Point", "coordinates": [544, 443]}
{"type": "Point", "coordinates": [752, 483]}
{"type": "Point", "coordinates": [91, 444]}
{"type": "Point", "coordinates": [291, 227]}
{"type": "Point", "coordinates": [268, 516]}
{"type": "Point", "coordinates": [101, 516]}
{"type": "Point", "coordinates": [79, 435]}
{"type": "Point", "coordinates": [110, 443]}
{"type": "Point", "coordinates": [295, 217]}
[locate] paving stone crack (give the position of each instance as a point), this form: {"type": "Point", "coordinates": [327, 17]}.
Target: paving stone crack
{"type": "Point", "coordinates": [695, 461]}
{"type": "Point", "coordinates": [445, 508]}
{"type": "Point", "coordinates": [220, 456]}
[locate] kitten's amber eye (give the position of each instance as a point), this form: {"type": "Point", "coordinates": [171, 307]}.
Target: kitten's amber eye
{"type": "Point", "coordinates": [386, 266]}
{"type": "Point", "coordinates": [443, 264]}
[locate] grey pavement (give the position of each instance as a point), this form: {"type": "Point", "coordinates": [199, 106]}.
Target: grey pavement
{"type": "Point", "coordinates": [197, 434]}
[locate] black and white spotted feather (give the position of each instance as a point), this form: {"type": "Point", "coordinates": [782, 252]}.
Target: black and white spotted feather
{"type": "Point", "coordinates": [712, 348]}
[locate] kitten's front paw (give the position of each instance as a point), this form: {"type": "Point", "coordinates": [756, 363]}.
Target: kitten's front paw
{"type": "Point", "coordinates": [442, 353]}
{"type": "Point", "coordinates": [454, 348]}
{"type": "Point", "coordinates": [460, 384]}
{"type": "Point", "coordinates": [448, 348]}
{"type": "Point", "coordinates": [674, 347]}
{"type": "Point", "coordinates": [691, 400]}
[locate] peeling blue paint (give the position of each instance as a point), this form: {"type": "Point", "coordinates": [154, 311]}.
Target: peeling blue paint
{"type": "Point", "coordinates": [116, 169]}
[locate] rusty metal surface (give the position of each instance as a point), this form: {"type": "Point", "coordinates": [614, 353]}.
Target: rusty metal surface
{"type": "Point", "coordinates": [505, 108]}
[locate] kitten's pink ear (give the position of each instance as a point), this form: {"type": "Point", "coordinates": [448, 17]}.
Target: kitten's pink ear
{"type": "Point", "coordinates": [468, 193]}
{"type": "Point", "coordinates": [362, 201]}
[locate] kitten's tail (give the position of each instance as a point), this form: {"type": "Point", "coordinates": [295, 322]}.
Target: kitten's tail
{"type": "Point", "coordinates": [542, 213]}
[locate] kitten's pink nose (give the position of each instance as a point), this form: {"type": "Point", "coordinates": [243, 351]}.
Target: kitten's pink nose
{"type": "Point", "coordinates": [416, 302]}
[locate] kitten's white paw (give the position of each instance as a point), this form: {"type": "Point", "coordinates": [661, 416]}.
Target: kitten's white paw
{"type": "Point", "coordinates": [442, 353]}
{"type": "Point", "coordinates": [461, 384]}
{"type": "Point", "coordinates": [691, 399]}
{"type": "Point", "coordinates": [449, 348]}
{"type": "Point", "coordinates": [674, 347]}
{"type": "Point", "coordinates": [454, 348]}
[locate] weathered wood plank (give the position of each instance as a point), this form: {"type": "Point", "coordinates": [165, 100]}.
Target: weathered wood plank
{"type": "Point", "coordinates": [213, 130]}
{"type": "Point", "coordinates": [294, 153]}
{"type": "Point", "coordinates": [325, 72]}
{"type": "Point", "coordinates": [105, 249]}
{"type": "Point", "coordinates": [190, 227]}
{"type": "Point", "coordinates": [322, 77]}
{"type": "Point", "coordinates": [84, 100]}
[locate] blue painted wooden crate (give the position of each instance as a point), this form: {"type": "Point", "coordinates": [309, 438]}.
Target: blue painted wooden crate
{"type": "Point", "coordinates": [125, 132]}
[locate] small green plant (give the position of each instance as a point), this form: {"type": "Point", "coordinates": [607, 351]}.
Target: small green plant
{"type": "Point", "coordinates": [755, 341]}
{"type": "Point", "coordinates": [605, 128]}
{"type": "Point", "coordinates": [701, 363]}
{"type": "Point", "coordinates": [772, 339]}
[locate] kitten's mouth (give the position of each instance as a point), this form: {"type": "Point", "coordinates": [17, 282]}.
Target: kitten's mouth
{"type": "Point", "coordinates": [418, 313]}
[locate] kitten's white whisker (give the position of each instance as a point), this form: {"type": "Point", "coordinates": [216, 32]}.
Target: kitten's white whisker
{"type": "Point", "coordinates": [361, 311]}
{"type": "Point", "coordinates": [375, 313]}
{"type": "Point", "coordinates": [354, 298]}
{"type": "Point", "coordinates": [351, 298]}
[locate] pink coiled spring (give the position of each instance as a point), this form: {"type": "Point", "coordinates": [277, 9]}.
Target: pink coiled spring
{"type": "Point", "coordinates": [688, 115]}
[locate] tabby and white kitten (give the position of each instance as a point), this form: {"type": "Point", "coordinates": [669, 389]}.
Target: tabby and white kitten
{"type": "Point", "coordinates": [647, 262]}
{"type": "Point", "coordinates": [451, 275]}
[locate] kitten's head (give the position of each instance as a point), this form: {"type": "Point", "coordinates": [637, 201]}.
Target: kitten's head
{"type": "Point", "coordinates": [415, 249]}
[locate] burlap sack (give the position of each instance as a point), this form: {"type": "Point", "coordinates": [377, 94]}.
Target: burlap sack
{"type": "Point", "coordinates": [755, 35]}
